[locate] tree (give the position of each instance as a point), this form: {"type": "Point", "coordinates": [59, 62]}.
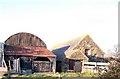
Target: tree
{"type": "Point", "coordinates": [114, 68]}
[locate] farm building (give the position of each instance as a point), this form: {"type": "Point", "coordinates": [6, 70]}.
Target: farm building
{"type": "Point", "coordinates": [27, 53]}
{"type": "Point", "coordinates": [73, 53]}
{"type": "Point", "coordinates": [3, 67]}
{"type": "Point", "coordinates": [1, 53]}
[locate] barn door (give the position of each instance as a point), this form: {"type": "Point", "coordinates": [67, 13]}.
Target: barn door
{"type": "Point", "coordinates": [75, 65]}
{"type": "Point", "coordinates": [78, 66]}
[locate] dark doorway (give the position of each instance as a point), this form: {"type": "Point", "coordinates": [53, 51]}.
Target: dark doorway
{"type": "Point", "coordinates": [26, 64]}
{"type": "Point", "coordinates": [71, 64]}
{"type": "Point", "coordinates": [41, 59]}
{"type": "Point", "coordinates": [58, 66]}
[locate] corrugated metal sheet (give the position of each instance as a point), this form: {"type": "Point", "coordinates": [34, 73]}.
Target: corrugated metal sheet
{"type": "Point", "coordinates": [27, 51]}
{"type": "Point", "coordinates": [26, 44]}
{"type": "Point", "coordinates": [22, 47]}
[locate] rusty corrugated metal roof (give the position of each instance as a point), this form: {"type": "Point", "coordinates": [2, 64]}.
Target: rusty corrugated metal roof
{"type": "Point", "coordinates": [27, 51]}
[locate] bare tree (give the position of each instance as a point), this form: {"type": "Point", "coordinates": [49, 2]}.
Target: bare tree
{"type": "Point", "coordinates": [115, 51]}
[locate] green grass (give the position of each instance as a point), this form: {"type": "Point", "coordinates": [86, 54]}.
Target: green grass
{"type": "Point", "coordinates": [55, 76]}
{"type": "Point", "coordinates": [88, 74]}
{"type": "Point", "coordinates": [39, 76]}
{"type": "Point", "coordinates": [77, 74]}
{"type": "Point", "coordinates": [67, 74]}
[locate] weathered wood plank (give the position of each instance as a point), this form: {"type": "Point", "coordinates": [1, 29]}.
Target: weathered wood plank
{"type": "Point", "coordinates": [25, 39]}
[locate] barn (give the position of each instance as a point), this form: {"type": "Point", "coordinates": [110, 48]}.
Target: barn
{"type": "Point", "coordinates": [72, 54]}
{"type": "Point", "coordinates": [27, 53]}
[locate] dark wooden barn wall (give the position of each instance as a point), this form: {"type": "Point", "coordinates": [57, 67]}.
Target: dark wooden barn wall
{"type": "Point", "coordinates": [28, 40]}
{"type": "Point", "coordinates": [25, 39]}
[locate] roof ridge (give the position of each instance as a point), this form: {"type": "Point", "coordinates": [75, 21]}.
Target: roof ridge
{"type": "Point", "coordinates": [79, 39]}
{"type": "Point", "coordinates": [82, 37]}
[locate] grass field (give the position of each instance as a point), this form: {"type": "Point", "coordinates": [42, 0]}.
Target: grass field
{"type": "Point", "coordinates": [66, 75]}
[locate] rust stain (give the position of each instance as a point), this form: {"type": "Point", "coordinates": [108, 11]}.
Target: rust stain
{"type": "Point", "coordinates": [27, 51]}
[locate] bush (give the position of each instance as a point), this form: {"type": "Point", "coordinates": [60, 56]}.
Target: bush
{"type": "Point", "coordinates": [112, 73]}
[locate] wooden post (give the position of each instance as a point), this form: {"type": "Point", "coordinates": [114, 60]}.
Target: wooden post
{"type": "Point", "coordinates": [9, 65]}
{"type": "Point", "coordinates": [19, 66]}
{"type": "Point", "coordinates": [54, 66]}
{"type": "Point", "coordinates": [9, 70]}
{"type": "Point", "coordinates": [82, 66]}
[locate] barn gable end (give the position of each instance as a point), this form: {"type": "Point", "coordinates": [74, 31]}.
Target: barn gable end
{"type": "Point", "coordinates": [81, 49]}
{"type": "Point", "coordinates": [25, 39]}
{"type": "Point", "coordinates": [26, 53]}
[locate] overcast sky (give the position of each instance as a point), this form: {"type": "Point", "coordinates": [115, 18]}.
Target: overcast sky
{"type": "Point", "coordinates": [55, 21]}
